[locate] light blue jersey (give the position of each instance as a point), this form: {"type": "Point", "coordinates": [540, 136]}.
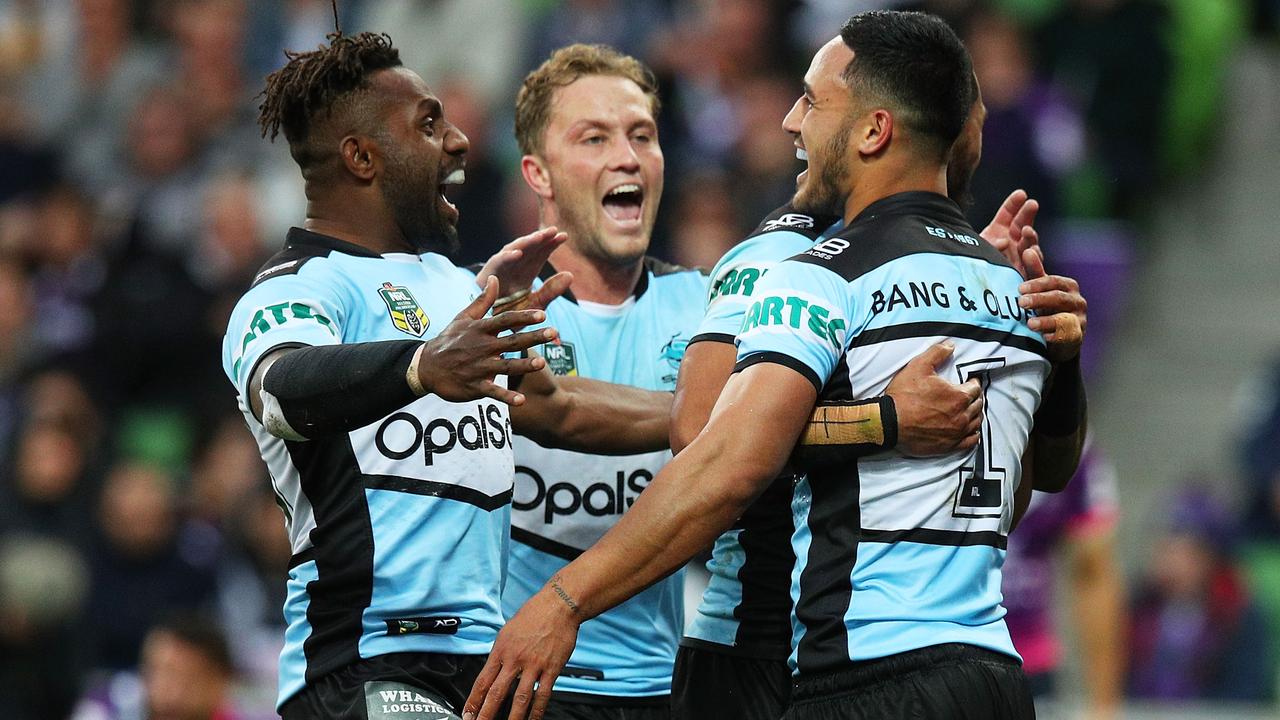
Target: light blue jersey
{"type": "Point", "coordinates": [564, 501]}
{"type": "Point", "coordinates": [400, 528]}
{"type": "Point", "coordinates": [746, 607]}
{"type": "Point", "coordinates": [897, 553]}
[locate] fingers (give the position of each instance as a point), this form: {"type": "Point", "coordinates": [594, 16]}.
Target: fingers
{"type": "Point", "coordinates": [1067, 329]}
{"type": "Point", "coordinates": [522, 698]}
{"type": "Point", "coordinates": [1033, 262]}
{"type": "Point", "coordinates": [542, 698]}
{"type": "Point", "coordinates": [1024, 218]}
{"type": "Point", "coordinates": [1047, 302]}
{"type": "Point", "coordinates": [554, 287]}
{"type": "Point", "coordinates": [933, 357]}
{"type": "Point", "coordinates": [490, 389]}
{"type": "Point", "coordinates": [480, 689]}
{"type": "Point", "coordinates": [1010, 208]}
{"type": "Point", "coordinates": [525, 340]}
{"type": "Point", "coordinates": [500, 689]}
{"type": "Point", "coordinates": [511, 320]}
{"type": "Point", "coordinates": [480, 306]}
{"type": "Point", "coordinates": [973, 389]}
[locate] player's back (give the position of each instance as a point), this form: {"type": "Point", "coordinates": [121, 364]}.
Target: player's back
{"type": "Point", "coordinates": [898, 553]}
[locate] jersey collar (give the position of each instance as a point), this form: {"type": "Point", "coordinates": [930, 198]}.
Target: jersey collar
{"type": "Point", "coordinates": [913, 202]}
{"type": "Point", "coordinates": [641, 285]}
{"type": "Point", "coordinates": [300, 237]}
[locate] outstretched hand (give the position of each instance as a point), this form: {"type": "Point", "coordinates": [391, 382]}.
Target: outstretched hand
{"type": "Point", "coordinates": [520, 261]}
{"type": "Point", "coordinates": [462, 362]}
{"type": "Point", "coordinates": [1012, 231]}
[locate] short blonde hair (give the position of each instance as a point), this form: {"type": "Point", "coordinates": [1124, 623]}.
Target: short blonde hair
{"type": "Point", "coordinates": [564, 67]}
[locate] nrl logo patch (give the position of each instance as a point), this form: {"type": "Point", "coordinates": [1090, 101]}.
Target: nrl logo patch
{"type": "Point", "coordinates": [406, 314]}
{"type": "Point", "coordinates": [561, 358]}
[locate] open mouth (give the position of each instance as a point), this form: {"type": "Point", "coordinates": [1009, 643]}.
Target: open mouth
{"type": "Point", "coordinates": [624, 203]}
{"type": "Point", "coordinates": [457, 177]}
{"type": "Point", "coordinates": [802, 154]}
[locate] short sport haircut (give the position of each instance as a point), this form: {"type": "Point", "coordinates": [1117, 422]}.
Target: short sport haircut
{"type": "Point", "coordinates": [915, 64]}
{"type": "Point", "coordinates": [313, 85]}
{"type": "Point", "coordinates": [564, 67]}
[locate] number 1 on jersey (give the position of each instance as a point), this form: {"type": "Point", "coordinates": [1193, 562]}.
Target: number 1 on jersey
{"type": "Point", "coordinates": [981, 490]}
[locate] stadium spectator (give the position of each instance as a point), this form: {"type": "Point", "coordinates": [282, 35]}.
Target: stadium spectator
{"type": "Point", "coordinates": [1196, 631]}
{"type": "Point", "coordinates": [140, 565]}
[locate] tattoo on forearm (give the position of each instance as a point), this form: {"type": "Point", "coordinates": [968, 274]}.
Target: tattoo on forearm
{"type": "Point", "coordinates": [562, 593]}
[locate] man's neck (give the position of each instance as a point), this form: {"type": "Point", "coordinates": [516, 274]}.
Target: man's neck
{"type": "Point", "coordinates": [374, 231]}
{"type": "Point", "coordinates": [891, 182]}
{"type": "Point", "coordinates": [595, 281]}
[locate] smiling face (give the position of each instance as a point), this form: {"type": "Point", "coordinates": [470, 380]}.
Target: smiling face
{"type": "Point", "coordinates": [821, 121]}
{"type": "Point", "coordinates": [600, 168]}
{"type": "Point", "coordinates": [422, 153]}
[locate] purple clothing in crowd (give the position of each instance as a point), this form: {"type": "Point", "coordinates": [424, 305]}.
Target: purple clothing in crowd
{"type": "Point", "coordinates": [1088, 504]}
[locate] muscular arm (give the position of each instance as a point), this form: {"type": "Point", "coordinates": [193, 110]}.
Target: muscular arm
{"type": "Point", "coordinates": [576, 413]}
{"type": "Point", "coordinates": [304, 392]}
{"type": "Point", "coordinates": [1060, 427]}
{"type": "Point", "coordinates": [746, 443]}
{"type": "Point", "coordinates": [934, 416]}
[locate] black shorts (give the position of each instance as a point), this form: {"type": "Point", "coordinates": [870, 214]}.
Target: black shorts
{"type": "Point", "coordinates": [567, 706]}
{"type": "Point", "coordinates": [399, 686]}
{"type": "Point", "coordinates": [943, 682]}
{"type": "Point", "coordinates": [711, 684]}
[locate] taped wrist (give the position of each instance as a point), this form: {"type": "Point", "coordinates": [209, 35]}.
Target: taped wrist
{"type": "Point", "coordinates": [1062, 410]}
{"type": "Point", "coordinates": [317, 391]}
{"type": "Point", "coordinates": [840, 432]}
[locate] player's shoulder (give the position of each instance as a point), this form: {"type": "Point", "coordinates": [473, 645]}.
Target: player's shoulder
{"type": "Point", "coordinates": [671, 277]}
{"type": "Point", "coordinates": [786, 219]}
{"type": "Point", "coordinates": [303, 249]}
{"type": "Point", "coordinates": [896, 227]}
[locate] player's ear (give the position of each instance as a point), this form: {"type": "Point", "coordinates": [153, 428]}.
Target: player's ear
{"type": "Point", "coordinates": [874, 132]}
{"type": "Point", "coordinates": [536, 176]}
{"type": "Point", "coordinates": [361, 156]}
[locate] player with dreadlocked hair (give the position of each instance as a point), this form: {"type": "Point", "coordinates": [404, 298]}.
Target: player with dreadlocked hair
{"type": "Point", "coordinates": [388, 432]}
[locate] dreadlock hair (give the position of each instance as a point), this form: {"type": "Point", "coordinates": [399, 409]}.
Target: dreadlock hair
{"type": "Point", "coordinates": [313, 85]}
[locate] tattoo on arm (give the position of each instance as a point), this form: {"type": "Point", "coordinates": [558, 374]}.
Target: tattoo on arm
{"type": "Point", "coordinates": [563, 594]}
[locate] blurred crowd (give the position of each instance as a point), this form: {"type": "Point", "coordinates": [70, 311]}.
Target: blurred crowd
{"type": "Point", "coordinates": [142, 555]}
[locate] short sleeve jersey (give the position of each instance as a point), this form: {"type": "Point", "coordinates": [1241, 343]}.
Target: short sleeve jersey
{"type": "Point", "coordinates": [897, 553]}
{"type": "Point", "coordinates": [746, 607]}
{"type": "Point", "coordinates": [565, 501]}
{"type": "Point", "coordinates": [399, 529]}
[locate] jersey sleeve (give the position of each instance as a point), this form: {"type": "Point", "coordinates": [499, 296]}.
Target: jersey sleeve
{"type": "Point", "coordinates": [798, 317]}
{"type": "Point", "coordinates": [293, 310]}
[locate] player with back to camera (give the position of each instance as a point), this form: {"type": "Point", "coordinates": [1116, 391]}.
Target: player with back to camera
{"type": "Point", "coordinates": [387, 427]}
{"type": "Point", "coordinates": [897, 579]}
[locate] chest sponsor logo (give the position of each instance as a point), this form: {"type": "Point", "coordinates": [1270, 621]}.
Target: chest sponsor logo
{"type": "Point", "coordinates": [403, 435]}
{"type": "Point", "coordinates": [798, 314]}
{"type": "Point", "coordinates": [789, 220]}
{"type": "Point", "coordinates": [561, 358]}
{"type": "Point", "coordinates": [563, 499]}
{"type": "Point", "coordinates": [406, 314]}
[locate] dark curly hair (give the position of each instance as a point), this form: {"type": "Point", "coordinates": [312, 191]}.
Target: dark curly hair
{"type": "Point", "coordinates": [318, 81]}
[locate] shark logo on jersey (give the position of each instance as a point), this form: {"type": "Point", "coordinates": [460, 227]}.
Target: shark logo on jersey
{"type": "Point", "coordinates": [673, 353]}
{"type": "Point", "coordinates": [406, 313]}
{"type": "Point", "coordinates": [561, 358]}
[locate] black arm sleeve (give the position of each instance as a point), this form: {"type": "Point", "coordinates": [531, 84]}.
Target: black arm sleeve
{"type": "Point", "coordinates": [337, 388]}
{"type": "Point", "coordinates": [1063, 408]}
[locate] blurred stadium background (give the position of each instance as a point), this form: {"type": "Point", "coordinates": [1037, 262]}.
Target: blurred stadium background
{"type": "Point", "coordinates": [140, 549]}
